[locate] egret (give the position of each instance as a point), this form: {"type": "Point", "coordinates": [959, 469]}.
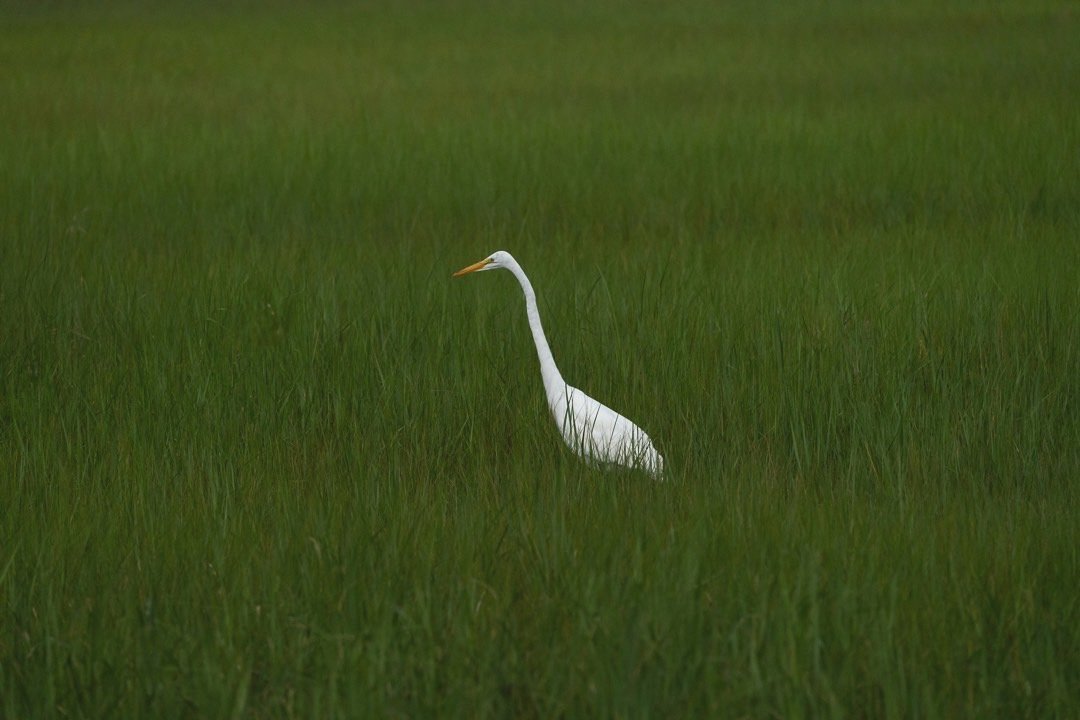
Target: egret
{"type": "Point", "coordinates": [598, 434]}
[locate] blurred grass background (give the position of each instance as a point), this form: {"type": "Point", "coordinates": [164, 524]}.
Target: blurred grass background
{"type": "Point", "coordinates": [260, 456]}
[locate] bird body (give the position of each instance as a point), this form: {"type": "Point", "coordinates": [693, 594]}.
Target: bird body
{"type": "Point", "coordinates": [602, 436]}
{"type": "Point", "coordinates": [591, 429]}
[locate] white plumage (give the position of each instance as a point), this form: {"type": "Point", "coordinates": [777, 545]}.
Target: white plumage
{"type": "Point", "coordinates": [592, 430]}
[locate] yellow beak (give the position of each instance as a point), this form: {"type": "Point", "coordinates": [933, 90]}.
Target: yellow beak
{"type": "Point", "coordinates": [473, 268]}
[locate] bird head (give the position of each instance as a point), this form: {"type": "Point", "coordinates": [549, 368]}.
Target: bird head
{"type": "Point", "coordinates": [498, 259]}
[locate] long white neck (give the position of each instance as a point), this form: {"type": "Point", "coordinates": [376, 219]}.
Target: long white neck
{"type": "Point", "coordinates": [553, 382]}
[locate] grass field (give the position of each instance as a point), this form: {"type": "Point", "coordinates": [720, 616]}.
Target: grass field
{"type": "Point", "coordinates": [261, 456]}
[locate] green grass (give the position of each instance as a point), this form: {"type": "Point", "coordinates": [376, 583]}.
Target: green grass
{"type": "Point", "coordinates": [261, 456]}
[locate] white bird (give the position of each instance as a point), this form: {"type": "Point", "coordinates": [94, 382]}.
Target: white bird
{"type": "Point", "coordinates": [591, 429]}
